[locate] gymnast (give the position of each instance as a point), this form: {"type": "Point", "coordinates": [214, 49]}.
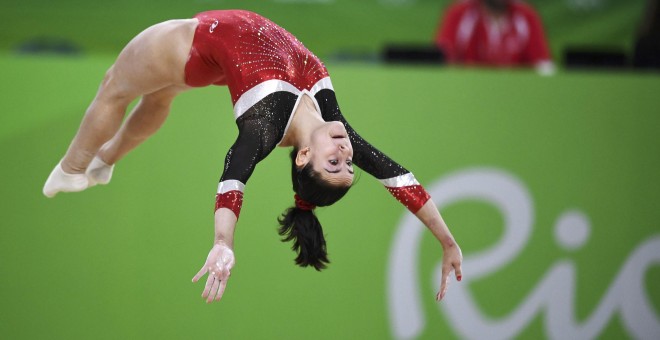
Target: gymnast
{"type": "Point", "coordinates": [281, 95]}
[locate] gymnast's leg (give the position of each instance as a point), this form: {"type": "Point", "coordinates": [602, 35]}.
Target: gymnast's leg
{"type": "Point", "coordinates": [145, 119]}
{"type": "Point", "coordinates": [101, 121]}
{"type": "Point", "coordinates": [154, 60]}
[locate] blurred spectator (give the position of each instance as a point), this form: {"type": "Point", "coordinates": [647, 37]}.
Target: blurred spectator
{"type": "Point", "coordinates": [502, 33]}
{"type": "Point", "coordinates": [647, 44]}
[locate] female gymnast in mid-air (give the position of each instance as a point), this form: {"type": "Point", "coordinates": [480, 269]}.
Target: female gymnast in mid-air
{"type": "Point", "coordinates": [282, 96]}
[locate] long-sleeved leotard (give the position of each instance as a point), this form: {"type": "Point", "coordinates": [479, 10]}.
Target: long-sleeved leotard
{"type": "Point", "coordinates": [268, 71]}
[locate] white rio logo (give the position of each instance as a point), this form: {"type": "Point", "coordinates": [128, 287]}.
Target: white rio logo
{"type": "Point", "coordinates": [553, 295]}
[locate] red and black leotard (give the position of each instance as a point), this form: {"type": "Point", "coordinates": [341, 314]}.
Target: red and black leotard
{"type": "Point", "coordinates": [267, 71]}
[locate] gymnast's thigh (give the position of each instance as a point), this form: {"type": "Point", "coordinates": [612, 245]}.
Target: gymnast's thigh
{"type": "Point", "coordinates": [155, 59]}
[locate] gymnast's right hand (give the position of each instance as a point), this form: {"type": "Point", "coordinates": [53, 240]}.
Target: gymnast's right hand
{"type": "Point", "coordinates": [218, 265]}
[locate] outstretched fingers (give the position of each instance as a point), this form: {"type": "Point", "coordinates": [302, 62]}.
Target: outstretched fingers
{"type": "Point", "coordinates": [217, 287]}
{"type": "Point", "coordinates": [214, 289]}
{"type": "Point", "coordinates": [459, 272]}
{"type": "Point", "coordinates": [446, 271]}
{"type": "Point", "coordinates": [209, 283]}
{"type": "Point", "coordinates": [223, 285]}
{"type": "Point", "coordinates": [444, 283]}
{"type": "Point", "coordinates": [218, 265]}
{"type": "Point", "coordinates": [199, 274]}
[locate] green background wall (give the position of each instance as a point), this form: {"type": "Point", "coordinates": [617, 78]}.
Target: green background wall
{"type": "Point", "coordinates": [116, 261]}
{"type": "Point", "coordinates": [331, 28]}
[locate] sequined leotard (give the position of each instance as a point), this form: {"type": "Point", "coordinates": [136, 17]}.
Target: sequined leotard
{"type": "Point", "coordinates": [267, 71]}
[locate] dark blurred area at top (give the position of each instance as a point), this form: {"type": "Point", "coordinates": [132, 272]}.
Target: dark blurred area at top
{"type": "Point", "coordinates": [647, 45]}
{"type": "Point", "coordinates": [336, 30]}
{"type": "Point", "coordinates": [511, 34]}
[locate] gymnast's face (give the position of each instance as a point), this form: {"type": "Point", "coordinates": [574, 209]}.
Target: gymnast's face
{"type": "Point", "coordinates": [331, 154]}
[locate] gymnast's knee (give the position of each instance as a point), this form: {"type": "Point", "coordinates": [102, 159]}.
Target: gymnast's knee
{"type": "Point", "coordinates": [113, 91]}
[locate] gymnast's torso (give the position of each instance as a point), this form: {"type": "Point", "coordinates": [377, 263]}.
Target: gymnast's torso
{"type": "Point", "coordinates": [242, 49]}
{"type": "Point", "coordinates": [267, 71]}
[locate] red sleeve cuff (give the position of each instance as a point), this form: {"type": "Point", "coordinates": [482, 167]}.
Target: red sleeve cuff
{"type": "Point", "coordinates": [232, 200]}
{"type": "Point", "coordinates": [413, 196]}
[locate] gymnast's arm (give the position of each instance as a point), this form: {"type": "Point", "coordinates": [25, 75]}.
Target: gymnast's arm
{"type": "Point", "coordinates": [252, 145]}
{"type": "Point", "coordinates": [402, 185]}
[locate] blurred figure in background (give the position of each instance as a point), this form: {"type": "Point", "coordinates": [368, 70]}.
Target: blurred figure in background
{"type": "Point", "coordinates": [647, 43]}
{"type": "Point", "coordinates": [500, 33]}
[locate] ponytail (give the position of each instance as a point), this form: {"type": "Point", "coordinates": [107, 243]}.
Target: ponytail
{"type": "Point", "coordinates": [299, 223]}
{"type": "Point", "coordinates": [304, 229]}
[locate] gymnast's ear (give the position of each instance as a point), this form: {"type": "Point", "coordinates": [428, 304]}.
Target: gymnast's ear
{"type": "Point", "coordinates": [303, 157]}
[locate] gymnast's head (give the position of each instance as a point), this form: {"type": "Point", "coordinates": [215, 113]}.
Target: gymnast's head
{"type": "Point", "coordinates": [328, 155]}
{"type": "Point", "coordinates": [321, 173]}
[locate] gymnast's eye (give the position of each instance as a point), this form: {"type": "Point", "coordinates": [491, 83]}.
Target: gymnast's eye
{"type": "Point", "coordinates": [349, 162]}
{"type": "Point", "coordinates": [333, 162]}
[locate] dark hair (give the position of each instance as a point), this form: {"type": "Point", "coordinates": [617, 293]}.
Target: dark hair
{"type": "Point", "coordinates": [301, 226]}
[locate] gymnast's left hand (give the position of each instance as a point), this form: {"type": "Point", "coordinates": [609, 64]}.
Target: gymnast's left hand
{"type": "Point", "coordinates": [218, 264]}
{"type": "Point", "coordinates": [452, 260]}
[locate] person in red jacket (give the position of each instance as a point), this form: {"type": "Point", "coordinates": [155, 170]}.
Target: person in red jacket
{"type": "Point", "coordinates": [500, 33]}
